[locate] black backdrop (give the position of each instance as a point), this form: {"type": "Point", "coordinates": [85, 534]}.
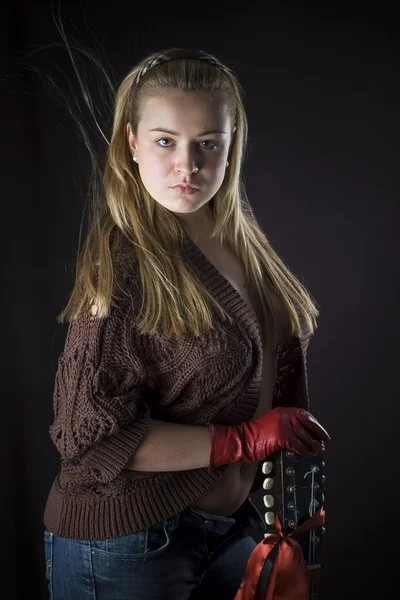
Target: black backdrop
{"type": "Point", "coordinates": [322, 96]}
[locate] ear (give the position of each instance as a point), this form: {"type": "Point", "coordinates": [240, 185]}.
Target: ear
{"type": "Point", "coordinates": [132, 141]}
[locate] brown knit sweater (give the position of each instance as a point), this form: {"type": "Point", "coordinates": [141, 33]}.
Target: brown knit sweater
{"type": "Point", "coordinates": [111, 379]}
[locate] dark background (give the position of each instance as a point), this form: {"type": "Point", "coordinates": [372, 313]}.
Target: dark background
{"type": "Point", "coordinates": [322, 98]}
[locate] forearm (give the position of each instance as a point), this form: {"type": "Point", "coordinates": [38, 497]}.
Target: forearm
{"type": "Point", "coordinates": [172, 447]}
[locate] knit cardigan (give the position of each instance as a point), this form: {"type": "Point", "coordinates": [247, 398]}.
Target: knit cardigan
{"type": "Point", "coordinates": [111, 380]}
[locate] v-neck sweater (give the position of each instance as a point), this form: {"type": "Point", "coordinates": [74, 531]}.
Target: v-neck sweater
{"type": "Point", "coordinates": [111, 379]}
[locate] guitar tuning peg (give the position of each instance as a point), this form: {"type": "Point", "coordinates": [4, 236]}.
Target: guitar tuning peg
{"type": "Point", "coordinates": [323, 478]}
{"type": "Point", "coordinates": [268, 483]}
{"type": "Point", "coordinates": [323, 530]}
{"type": "Point", "coordinates": [269, 518]}
{"type": "Point", "coordinates": [269, 500]}
{"type": "Point", "coordinates": [323, 464]}
{"type": "Point", "coordinates": [267, 467]}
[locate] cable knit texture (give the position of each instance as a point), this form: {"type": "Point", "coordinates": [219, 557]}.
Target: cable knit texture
{"type": "Point", "coordinates": [111, 379]}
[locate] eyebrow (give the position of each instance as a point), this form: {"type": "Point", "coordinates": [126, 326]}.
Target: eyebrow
{"type": "Point", "coordinates": [163, 130]}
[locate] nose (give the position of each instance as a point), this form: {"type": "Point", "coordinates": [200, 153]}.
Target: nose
{"type": "Point", "coordinates": [187, 161]}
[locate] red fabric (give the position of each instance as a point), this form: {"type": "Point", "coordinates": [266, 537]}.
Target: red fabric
{"type": "Point", "coordinates": [288, 577]}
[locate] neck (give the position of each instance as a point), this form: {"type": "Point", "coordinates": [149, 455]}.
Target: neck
{"type": "Point", "coordinates": [198, 225]}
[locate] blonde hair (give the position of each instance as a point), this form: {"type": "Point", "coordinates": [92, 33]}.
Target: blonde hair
{"type": "Point", "coordinates": [125, 215]}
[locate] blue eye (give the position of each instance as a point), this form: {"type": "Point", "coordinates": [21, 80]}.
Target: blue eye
{"type": "Point", "coordinates": [215, 144]}
{"type": "Point", "coordinates": [212, 141]}
{"type": "Point", "coordinates": [162, 145]}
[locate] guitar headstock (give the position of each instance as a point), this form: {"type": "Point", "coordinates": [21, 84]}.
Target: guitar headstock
{"type": "Point", "coordinates": [294, 490]}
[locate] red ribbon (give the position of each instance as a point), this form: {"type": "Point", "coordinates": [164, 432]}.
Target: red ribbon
{"type": "Point", "coordinates": [288, 577]}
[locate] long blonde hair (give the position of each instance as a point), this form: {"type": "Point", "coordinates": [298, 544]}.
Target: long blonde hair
{"type": "Point", "coordinates": [126, 216]}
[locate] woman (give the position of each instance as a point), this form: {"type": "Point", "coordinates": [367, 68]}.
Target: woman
{"type": "Point", "coordinates": [184, 363]}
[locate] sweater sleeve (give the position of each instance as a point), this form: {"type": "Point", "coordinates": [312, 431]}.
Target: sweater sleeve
{"type": "Point", "coordinates": [100, 415]}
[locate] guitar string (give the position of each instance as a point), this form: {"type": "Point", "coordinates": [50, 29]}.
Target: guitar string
{"type": "Point", "coordinates": [310, 578]}
{"type": "Point", "coordinates": [311, 540]}
{"type": "Point", "coordinates": [313, 508]}
{"type": "Point", "coordinates": [312, 533]}
{"type": "Point", "coordinates": [311, 511]}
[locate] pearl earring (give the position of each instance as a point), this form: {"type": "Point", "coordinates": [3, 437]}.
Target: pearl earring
{"type": "Point", "coordinates": [227, 163]}
{"type": "Point", "coordinates": [135, 158]}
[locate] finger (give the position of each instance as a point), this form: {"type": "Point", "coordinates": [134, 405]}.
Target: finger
{"type": "Point", "coordinates": [312, 444]}
{"type": "Point", "coordinates": [312, 425]}
{"type": "Point", "coordinates": [298, 447]}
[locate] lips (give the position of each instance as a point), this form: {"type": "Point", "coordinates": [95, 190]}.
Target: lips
{"type": "Point", "coordinates": [185, 186]}
{"type": "Point", "coordinates": [185, 189]}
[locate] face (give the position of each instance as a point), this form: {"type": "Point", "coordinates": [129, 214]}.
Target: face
{"type": "Point", "coordinates": [183, 138]}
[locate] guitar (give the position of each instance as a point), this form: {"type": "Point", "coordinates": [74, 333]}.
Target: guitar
{"type": "Point", "coordinates": [294, 491]}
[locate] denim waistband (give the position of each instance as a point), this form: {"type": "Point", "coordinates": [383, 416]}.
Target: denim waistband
{"type": "Point", "coordinates": [246, 516]}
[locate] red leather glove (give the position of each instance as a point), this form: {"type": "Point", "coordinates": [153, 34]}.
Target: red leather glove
{"type": "Point", "coordinates": [291, 428]}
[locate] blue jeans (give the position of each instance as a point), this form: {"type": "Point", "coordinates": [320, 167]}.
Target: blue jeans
{"type": "Point", "coordinates": [193, 555]}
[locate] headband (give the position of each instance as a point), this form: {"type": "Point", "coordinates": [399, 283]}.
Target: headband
{"type": "Point", "coordinates": [180, 53]}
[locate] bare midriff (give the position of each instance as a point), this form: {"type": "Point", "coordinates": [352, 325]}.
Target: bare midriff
{"type": "Point", "coordinates": [234, 487]}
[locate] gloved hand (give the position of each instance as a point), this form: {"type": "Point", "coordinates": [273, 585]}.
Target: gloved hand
{"type": "Point", "coordinates": [291, 428]}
